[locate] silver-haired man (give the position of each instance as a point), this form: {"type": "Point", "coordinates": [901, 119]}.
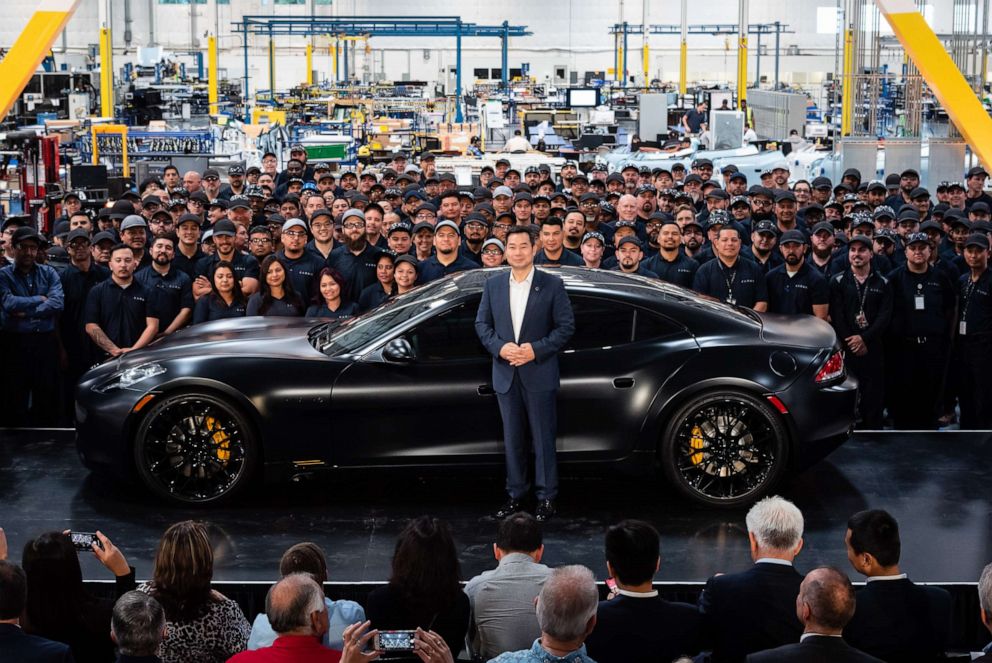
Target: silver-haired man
{"type": "Point", "coordinates": [985, 602]}
{"type": "Point", "coordinates": [137, 627]}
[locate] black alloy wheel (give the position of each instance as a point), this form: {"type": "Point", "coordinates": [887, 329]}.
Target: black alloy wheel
{"type": "Point", "coordinates": [724, 449]}
{"type": "Point", "coordinates": [195, 449]}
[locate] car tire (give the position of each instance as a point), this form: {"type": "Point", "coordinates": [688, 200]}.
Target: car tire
{"type": "Point", "coordinates": [195, 449]}
{"type": "Point", "coordinates": [724, 448]}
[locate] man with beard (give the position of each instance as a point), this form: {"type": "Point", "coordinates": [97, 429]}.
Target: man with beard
{"type": "Point", "coordinates": [552, 250]}
{"type": "Point", "coordinates": [780, 176]}
{"type": "Point", "coordinates": [447, 258]}
{"type": "Point", "coordinates": [692, 235]}
{"type": "Point", "coordinates": [860, 311]}
{"type": "Point", "coordinates": [134, 233]}
{"type": "Point", "coordinates": [574, 226]}
{"type": "Point", "coordinates": [236, 183]}
{"type": "Point", "coordinates": [909, 179]}
{"type": "Point", "coordinates": [692, 187]}
{"type": "Point", "coordinates": [794, 287]}
{"type": "Point", "coordinates": [647, 201]}
{"type": "Point", "coordinates": [763, 244]}
{"type": "Point", "coordinates": [322, 227]}
{"type": "Point", "coordinates": [740, 213]}
{"type": "Point", "coordinates": [475, 229]}
{"type": "Point", "coordinates": [821, 190]}
{"type": "Point", "coordinates": [824, 242]}
{"type": "Point", "coordinates": [651, 227]}
{"type": "Point", "coordinates": [737, 184]}
{"type": "Point", "coordinates": [974, 335]}
{"type": "Point", "coordinates": [355, 260]}
{"type": "Point", "coordinates": [761, 203]}
{"type": "Point", "coordinates": [302, 266]}
{"type": "Point", "coordinates": [670, 263]}
{"type": "Point", "coordinates": [629, 256]}
{"type": "Point", "coordinates": [173, 286]}
{"type": "Point", "coordinates": [245, 267]}
{"type": "Point", "coordinates": [260, 243]}
{"type": "Point", "coordinates": [731, 279]}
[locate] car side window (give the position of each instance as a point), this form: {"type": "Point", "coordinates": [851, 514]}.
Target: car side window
{"type": "Point", "coordinates": [648, 326]}
{"type": "Point", "coordinates": [600, 323]}
{"type": "Point", "coordinates": [449, 335]}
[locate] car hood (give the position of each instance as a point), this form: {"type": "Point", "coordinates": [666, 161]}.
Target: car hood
{"type": "Point", "coordinates": [257, 335]}
{"type": "Point", "coordinates": [805, 331]}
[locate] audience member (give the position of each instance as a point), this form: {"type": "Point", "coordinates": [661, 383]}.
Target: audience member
{"type": "Point", "coordinates": [637, 624]}
{"type": "Point", "coordinates": [15, 644]}
{"type": "Point", "coordinates": [566, 613]}
{"type": "Point", "coordinates": [203, 625]}
{"type": "Point", "coordinates": [423, 590]}
{"type": "Point", "coordinates": [895, 619]}
{"type": "Point", "coordinates": [825, 605]}
{"type": "Point", "coordinates": [137, 627]}
{"type": "Point", "coordinates": [985, 603]}
{"type": "Point", "coordinates": [502, 600]}
{"type": "Point", "coordinates": [59, 607]}
{"type": "Point", "coordinates": [756, 609]}
{"type": "Point", "coordinates": [309, 558]}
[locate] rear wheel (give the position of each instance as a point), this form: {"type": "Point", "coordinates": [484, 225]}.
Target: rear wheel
{"type": "Point", "coordinates": [195, 449]}
{"type": "Point", "coordinates": [724, 448]}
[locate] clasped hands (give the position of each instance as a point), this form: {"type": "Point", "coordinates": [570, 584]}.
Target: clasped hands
{"type": "Point", "coordinates": [517, 355]}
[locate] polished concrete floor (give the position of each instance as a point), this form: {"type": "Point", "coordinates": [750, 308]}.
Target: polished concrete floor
{"type": "Point", "coordinates": [938, 485]}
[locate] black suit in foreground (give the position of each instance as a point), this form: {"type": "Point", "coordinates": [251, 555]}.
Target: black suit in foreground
{"type": "Point", "coordinates": [896, 620]}
{"type": "Point", "coordinates": [16, 645]}
{"type": "Point", "coordinates": [632, 629]}
{"type": "Point", "coordinates": [814, 649]}
{"type": "Point", "coordinates": [751, 611]}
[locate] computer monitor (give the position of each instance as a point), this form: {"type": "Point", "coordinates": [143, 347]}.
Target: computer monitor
{"type": "Point", "coordinates": [582, 97]}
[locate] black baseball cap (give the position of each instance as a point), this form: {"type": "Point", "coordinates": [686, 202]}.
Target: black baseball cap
{"type": "Point", "coordinates": [975, 239]}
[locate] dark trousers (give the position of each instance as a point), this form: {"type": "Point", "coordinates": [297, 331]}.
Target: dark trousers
{"type": "Point", "coordinates": [917, 369]}
{"type": "Point", "coordinates": [976, 388]}
{"type": "Point", "coordinates": [870, 371]}
{"type": "Point", "coordinates": [521, 408]}
{"type": "Point", "coordinates": [31, 392]}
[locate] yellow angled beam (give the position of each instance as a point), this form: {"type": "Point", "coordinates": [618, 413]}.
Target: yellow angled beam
{"type": "Point", "coordinates": [31, 47]}
{"type": "Point", "coordinates": [212, 95]}
{"type": "Point", "coordinates": [940, 73]}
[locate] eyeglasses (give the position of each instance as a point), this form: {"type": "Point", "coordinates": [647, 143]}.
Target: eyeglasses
{"type": "Point", "coordinates": [294, 233]}
{"type": "Point", "coordinates": [258, 241]}
{"type": "Point", "coordinates": [320, 226]}
{"type": "Point", "coordinates": [492, 252]}
{"type": "Point", "coordinates": [212, 179]}
{"type": "Point", "coordinates": [386, 267]}
{"type": "Point", "coordinates": [353, 226]}
{"type": "Point", "coordinates": [502, 226]}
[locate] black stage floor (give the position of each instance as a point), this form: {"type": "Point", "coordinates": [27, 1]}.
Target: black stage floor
{"type": "Point", "coordinates": [938, 485]}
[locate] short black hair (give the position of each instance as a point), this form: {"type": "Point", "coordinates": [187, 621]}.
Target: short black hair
{"type": "Point", "coordinates": [876, 532]}
{"type": "Point", "coordinates": [521, 532]}
{"type": "Point", "coordinates": [120, 245]}
{"type": "Point", "coordinates": [551, 221]}
{"type": "Point", "coordinates": [170, 167]}
{"type": "Point", "coordinates": [632, 549]}
{"type": "Point", "coordinates": [450, 193]}
{"type": "Point", "coordinates": [296, 160]}
{"type": "Point", "coordinates": [172, 237]}
{"type": "Point", "coordinates": [13, 590]}
{"type": "Point", "coordinates": [516, 230]}
{"type": "Point", "coordinates": [729, 227]}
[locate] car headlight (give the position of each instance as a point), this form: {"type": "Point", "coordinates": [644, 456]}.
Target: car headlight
{"type": "Point", "coordinates": [129, 377]}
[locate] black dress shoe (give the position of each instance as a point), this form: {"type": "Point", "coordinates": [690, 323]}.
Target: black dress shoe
{"type": "Point", "coordinates": [545, 510]}
{"type": "Point", "coordinates": [508, 509]}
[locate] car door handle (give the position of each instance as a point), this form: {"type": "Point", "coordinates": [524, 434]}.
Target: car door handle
{"type": "Point", "coordinates": [485, 390]}
{"type": "Point", "coordinates": [623, 383]}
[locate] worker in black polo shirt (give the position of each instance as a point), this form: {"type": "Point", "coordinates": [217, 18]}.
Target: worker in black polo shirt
{"type": "Point", "coordinates": [302, 266]}
{"type": "Point", "coordinates": [245, 266]}
{"type": "Point", "coordinates": [553, 250]}
{"type": "Point", "coordinates": [630, 257]}
{"type": "Point", "coordinates": [175, 288]}
{"type": "Point", "coordinates": [924, 301]}
{"type": "Point", "coordinates": [975, 335]}
{"type": "Point", "coordinates": [730, 278]}
{"type": "Point", "coordinates": [794, 287]}
{"type": "Point", "coordinates": [764, 246]}
{"type": "Point", "coordinates": [121, 314]}
{"type": "Point", "coordinates": [860, 310]}
{"type": "Point", "coordinates": [671, 263]}
{"type": "Point", "coordinates": [188, 251]}
{"type": "Point", "coordinates": [447, 258]}
{"type": "Point", "coordinates": [355, 259]}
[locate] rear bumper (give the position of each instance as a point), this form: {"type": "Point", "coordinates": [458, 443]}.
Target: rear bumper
{"type": "Point", "coordinates": [822, 418]}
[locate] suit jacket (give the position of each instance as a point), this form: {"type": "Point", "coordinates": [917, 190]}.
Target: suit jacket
{"type": "Point", "coordinates": [632, 629]}
{"type": "Point", "coordinates": [16, 645]}
{"type": "Point", "coordinates": [814, 649]}
{"type": "Point", "coordinates": [548, 325]}
{"type": "Point", "coordinates": [290, 649]}
{"type": "Point", "coordinates": [896, 620]}
{"type": "Point", "coordinates": [751, 611]}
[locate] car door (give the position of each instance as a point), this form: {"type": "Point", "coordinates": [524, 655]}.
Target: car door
{"type": "Point", "coordinates": [438, 408]}
{"type": "Point", "coordinates": [613, 366]}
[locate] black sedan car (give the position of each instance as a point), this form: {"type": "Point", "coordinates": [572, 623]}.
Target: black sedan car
{"type": "Point", "coordinates": [722, 400]}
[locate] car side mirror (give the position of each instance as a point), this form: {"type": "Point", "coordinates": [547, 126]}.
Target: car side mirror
{"type": "Point", "coordinates": [399, 350]}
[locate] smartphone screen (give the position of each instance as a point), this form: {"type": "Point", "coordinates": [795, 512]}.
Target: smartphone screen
{"type": "Point", "coordinates": [395, 640]}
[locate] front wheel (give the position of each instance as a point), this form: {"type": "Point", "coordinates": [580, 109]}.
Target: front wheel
{"type": "Point", "coordinates": [195, 449]}
{"type": "Point", "coordinates": [724, 448]}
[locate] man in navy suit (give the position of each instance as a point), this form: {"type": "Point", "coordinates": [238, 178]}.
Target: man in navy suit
{"type": "Point", "coordinates": [15, 644]}
{"type": "Point", "coordinates": [825, 605]}
{"type": "Point", "coordinates": [524, 321]}
{"type": "Point", "coordinates": [756, 609]}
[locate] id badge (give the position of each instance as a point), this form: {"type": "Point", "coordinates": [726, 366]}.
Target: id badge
{"type": "Point", "coordinates": [861, 320]}
{"type": "Point", "coordinates": [919, 302]}
{"type": "Point", "coordinates": [731, 300]}
{"type": "Point", "coordinates": [963, 328]}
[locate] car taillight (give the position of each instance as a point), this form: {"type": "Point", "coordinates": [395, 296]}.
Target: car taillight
{"type": "Point", "coordinates": [832, 369]}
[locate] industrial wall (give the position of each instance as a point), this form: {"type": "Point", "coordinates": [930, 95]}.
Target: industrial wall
{"type": "Point", "coordinates": [569, 34]}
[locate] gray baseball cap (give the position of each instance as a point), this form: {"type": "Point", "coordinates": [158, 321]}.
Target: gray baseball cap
{"type": "Point", "coordinates": [133, 221]}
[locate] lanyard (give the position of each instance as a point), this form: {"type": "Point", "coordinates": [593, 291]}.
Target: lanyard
{"type": "Point", "coordinates": [970, 288]}
{"type": "Point", "coordinates": [729, 281]}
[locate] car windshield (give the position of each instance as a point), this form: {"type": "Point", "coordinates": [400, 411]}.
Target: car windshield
{"type": "Point", "coordinates": [350, 335]}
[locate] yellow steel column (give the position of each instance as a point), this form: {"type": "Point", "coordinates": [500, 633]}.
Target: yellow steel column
{"type": "Point", "coordinates": [272, 67]}
{"type": "Point", "coordinates": [944, 78]}
{"type": "Point", "coordinates": [647, 64]}
{"type": "Point", "coordinates": [684, 47]}
{"type": "Point", "coordinates": [212, 74]}
{"type": "Point", "coordinates": [31, 47]}
{"type": "Point", "coordinates": [742, 53]}
{"type": "Point", "coordinates": [847, 91]}
{"type": "Point", "coordinates": [309, 64]}
{"type": "Point", "coordinates": [106, 73]}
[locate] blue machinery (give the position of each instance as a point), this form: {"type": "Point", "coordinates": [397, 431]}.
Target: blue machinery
{"type": "Point", "coordinates": [375, 26]}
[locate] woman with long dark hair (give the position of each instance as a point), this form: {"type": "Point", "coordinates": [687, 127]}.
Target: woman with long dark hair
{"type": "Point", "coordinates": [330, 302]}
{"type": "Point", "coordinates": [423, 590]}
{"type": "Point", "coordinates": [225, 299]}
{"type": "Point", "coordinates": [203, 625]}
{"type": "Point", "coordinates": [384, 286]}
{"type": "Point", "coordinates": [59, 607]}
{"type": "Point", "coordinates": [275, 295]}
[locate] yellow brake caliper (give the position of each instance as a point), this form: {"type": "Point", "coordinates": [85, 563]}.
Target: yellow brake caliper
{"type": "Point", "coordinates": [221, 439]}
{"type": "Point", "coordinates": [696, 442]}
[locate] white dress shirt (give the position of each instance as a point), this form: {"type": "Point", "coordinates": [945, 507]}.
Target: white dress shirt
{"type": "Point", "coordinates": [519, 292]}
